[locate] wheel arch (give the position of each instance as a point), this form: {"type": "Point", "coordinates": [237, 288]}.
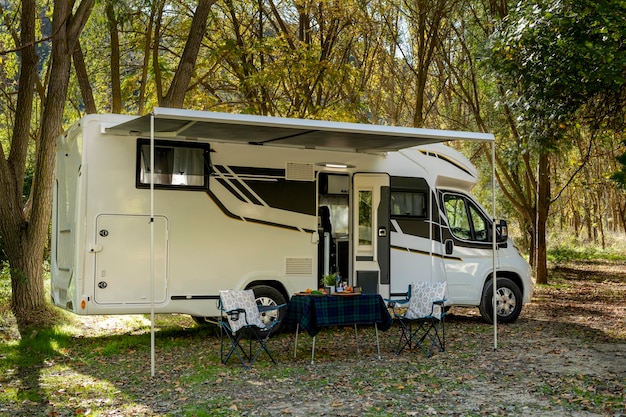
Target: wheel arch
{"type": "Point", "coordinates": [506, 274]}
{"type": "Point", "coordinates": [271, 283]}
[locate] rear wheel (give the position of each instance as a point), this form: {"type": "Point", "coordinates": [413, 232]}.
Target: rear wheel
{"type": "Point", "coordinates": [267, 296]}
{"type": "Point", "coordinates": [508, 301]}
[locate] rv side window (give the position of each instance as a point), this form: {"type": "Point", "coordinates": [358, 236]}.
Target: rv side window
{"type": "Point", "coordinates": [176, 165]}
{"type": "Point", "coordinates": [466, 221]}
{"type": "Point", "coordinates": [365, 218]}
{"type": "Point", "coordinates": [408, 203]}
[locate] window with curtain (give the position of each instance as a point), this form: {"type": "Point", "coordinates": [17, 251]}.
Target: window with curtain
{"type": "Point", "coordinates": [176, 165]}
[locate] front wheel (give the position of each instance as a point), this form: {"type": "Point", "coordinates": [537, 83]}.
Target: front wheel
{"type": "Point", "coordinates": [508, 301]}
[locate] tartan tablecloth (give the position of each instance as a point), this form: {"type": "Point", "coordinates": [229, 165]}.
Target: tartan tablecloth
{"type": "Point", "coordinates": [313, 313]}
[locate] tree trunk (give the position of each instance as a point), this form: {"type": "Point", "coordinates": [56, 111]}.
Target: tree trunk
{"type": "Point", "coordinates": [116, 88]}
{"type": "Point", "coordinates": [146, 61]}
{"type": "Point", "coordinates": [543, 209]}
{"type": "Point", "coordinates": [83, 80]}
{"type": "Point", "coordinates": [25, 230]}
{"type": "Point", "coordinates": [27, 294]}
{"type": "Point", "coordinates": [178, 89]}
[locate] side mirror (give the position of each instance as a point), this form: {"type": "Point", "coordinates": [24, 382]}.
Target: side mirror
{"type": "Point", "coordinates": [502, 231]}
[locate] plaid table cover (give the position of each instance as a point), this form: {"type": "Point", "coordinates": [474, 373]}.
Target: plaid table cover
{"type": "Point", "coordinates": [313, 313]}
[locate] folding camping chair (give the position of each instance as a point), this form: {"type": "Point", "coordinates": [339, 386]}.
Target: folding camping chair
{"type": "Point", "coordinates": [241, 318]}
{"type": "Point", "coordinates": [422, 317]}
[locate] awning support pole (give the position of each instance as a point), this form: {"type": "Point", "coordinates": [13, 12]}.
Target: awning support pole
{"type": "Point", "coordinates": [152, 246]}
{"type": "Point", "coordinates": [494, 246]}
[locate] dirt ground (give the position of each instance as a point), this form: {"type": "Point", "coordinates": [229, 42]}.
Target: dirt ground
{"type": "Point", "coordinates": [565, 356]}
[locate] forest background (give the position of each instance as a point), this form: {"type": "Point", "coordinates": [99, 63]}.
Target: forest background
{"type": "Point", "coordinates": [548, 78]}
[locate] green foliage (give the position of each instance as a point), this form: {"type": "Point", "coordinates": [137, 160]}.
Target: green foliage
{"type": "Point", "coordinates": [566, 247]}
{"type": "Point", "coordinates": [587, 253]}
{"type": "Point", "coordinates": [619, 176]}
{"type": "Point", "coordinates": [5, 286]}
{"type": "Point", "coordinates": [562, 58]}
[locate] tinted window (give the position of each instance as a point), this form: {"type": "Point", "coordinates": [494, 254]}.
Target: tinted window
{"type": "Point", "coordinates": [408, 203]}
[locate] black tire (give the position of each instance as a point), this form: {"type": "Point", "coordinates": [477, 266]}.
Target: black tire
{"type": "Point", "coordinates": [509, 301]}
{"type": "Point", "coordinates": [270, 296]}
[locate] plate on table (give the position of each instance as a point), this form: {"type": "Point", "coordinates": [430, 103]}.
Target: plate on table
{"type": "Point", "coordinates": [345, 294]}
{"type": "Point", "coordinates": [311, 294]}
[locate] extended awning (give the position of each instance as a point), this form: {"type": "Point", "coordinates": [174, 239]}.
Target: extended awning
{"type": "Point", "coordinates": [166, 123]}
{"type": "Point", "coordinates": [278, 131]}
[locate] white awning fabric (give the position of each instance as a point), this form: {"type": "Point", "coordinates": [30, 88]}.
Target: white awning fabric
{"type": "Point", "coordinates": [277, 131]}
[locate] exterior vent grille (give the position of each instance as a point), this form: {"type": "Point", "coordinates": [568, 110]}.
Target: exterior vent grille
{"type": "Point", "coordinates": [297, 171]}
{"type": "Point", "coordinates": [299, 266]}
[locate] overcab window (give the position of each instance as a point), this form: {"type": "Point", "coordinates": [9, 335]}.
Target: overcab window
{"type": "Point", "coordinates": [177, 165]}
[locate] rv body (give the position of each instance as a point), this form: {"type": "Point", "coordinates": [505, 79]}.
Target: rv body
{"type": "Point", "coordinates": [235, 215]}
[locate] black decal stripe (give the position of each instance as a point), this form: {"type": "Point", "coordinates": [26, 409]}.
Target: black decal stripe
{"type": "Point", "coordinates": [230, 189]}
{"type": "Point", "coordinates": [222, 207]}
{"type": "Point", "coordinates": [266, 223]}
{"type": "Point", "coordinates": [232, 215]}
{"type": "Point", "coordinates": [229, 181]}
{"type": "Point", "coordinates": [258, 172]}
{"type": "Point", "coordinates": [294, 196]}
{"type": "Point", "coordinates": [268, 187]}
{"type": "Point", "coordinates": [247, 192]}
{"type": "Point", "coordinates": [421, 252]}
{"type": "Point", "coordinates": [195, 297]}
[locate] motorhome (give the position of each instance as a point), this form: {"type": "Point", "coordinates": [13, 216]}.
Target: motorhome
{"type": "Point", "coordinates": [158, 213]}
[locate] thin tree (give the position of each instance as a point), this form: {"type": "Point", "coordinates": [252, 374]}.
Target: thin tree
{"type": "Point", "coordinates": [24, 220]}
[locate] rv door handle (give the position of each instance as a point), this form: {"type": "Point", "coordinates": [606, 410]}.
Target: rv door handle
{"type": "Point", "coordinates": [382, 232]}
{"type": "Point", "coordinates": [93, 248]}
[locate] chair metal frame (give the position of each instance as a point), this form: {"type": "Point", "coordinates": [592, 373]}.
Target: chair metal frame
{"type": "Point", "coordinates": [425, 331]}
{"type": "Point", "coordinates": [243, 321]}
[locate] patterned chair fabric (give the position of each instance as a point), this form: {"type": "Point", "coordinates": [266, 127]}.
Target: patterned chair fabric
{"type": "Point", "coordinates": [241, 318]}
{"type": "Point", "coordinates": [423, 294]}
{"type": "Point", "coordinates": [244, 299]}
{"type": "Point", "coordinates": [422, 317]}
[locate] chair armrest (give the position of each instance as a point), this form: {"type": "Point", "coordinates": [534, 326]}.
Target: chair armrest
{"type": "Point", "coordinates": [235, 313]}
{"type": "Point", "coordinates": [392, 303]}
{"type": "Point", "coordinates": [265, 309]}
{"type": "Point", "coordinates": [445, 302]}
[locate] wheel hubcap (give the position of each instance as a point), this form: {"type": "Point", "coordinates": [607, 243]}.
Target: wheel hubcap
{"type": "Point", "coordinates": [505, 302]}
{"type": "Point", "coordinates": [268, 316]}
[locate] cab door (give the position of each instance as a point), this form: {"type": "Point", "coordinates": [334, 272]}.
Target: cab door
{"type": "Point", "coordinates": [469, 250]}
{"type": "Point", "coordinates": [370, 232]}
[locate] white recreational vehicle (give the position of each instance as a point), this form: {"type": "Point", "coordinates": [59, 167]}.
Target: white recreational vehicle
{"type": "Point", "coordinates": [158, 213]}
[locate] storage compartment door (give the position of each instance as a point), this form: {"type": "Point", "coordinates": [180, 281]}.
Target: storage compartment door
{"type": "Point", "coordinates": [122, 267]}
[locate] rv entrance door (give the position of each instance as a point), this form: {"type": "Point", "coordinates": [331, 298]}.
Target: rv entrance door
{"type": "Point", "coordinates": [371, 232]}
